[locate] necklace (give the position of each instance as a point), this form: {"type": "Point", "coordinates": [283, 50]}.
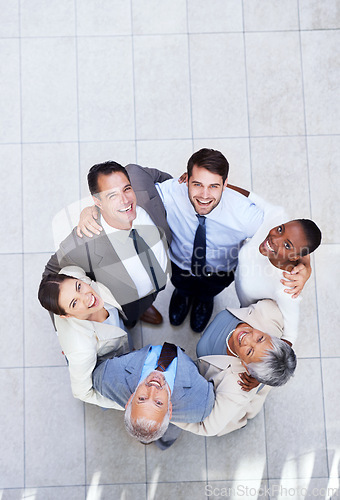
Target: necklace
{"type": "Point", "coordinates": [227, 342]}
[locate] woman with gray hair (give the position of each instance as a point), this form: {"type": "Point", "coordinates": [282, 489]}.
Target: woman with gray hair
{"type": "Point", "coordinates": [240, 341]}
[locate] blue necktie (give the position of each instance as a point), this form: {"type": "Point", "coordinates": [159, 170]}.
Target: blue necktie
{"type": "Point", "coordinates": [200, 247]}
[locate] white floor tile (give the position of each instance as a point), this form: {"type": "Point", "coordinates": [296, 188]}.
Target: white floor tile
{"type": "Point", "coordinates": [104, 17]}
{"type": "Point", "coordinates": [324, 160]}
{"type": "Point", "coordinates": [105, 83]}
{"type": "Point", "coordinates": [153, 17]}
{"type": "Point", "coordinates": [184, 461]}
{"type": "Point", "coordinates": [178, 490]}
{"type": "Point", "coordinates": [265, 15]}
{"type": "Point", "coordinates": [320, 58]}
{"type": "Point", "coordinates": [218, 86]}
{"type": "Point", "coordinates": [49, 99]}
{"type": "Point", "coordinates": [168, 156]}
{"type": "Point", "coordinates": [55, 493]}
{"type": "Point", "coordinates": [10, 128]}
{"type": "Point", "coordinates": [12, 428]}
{"type": "Point", "coordinates": [54, 429]}
{"type": "Point", "coordinates": [112, 456]}
{"type": "Point", "coordinates": [319, 15]}
{"type": "Point", "coordinates": [53, 18]}
{"type": "Point", "coordinates": [239, 455]}
{"type": "Point", "coordinates": [41, 342]}
{"type": "Point", "coordinates": [11, 199]}
{"type": "Point", "coordinates": [274, 84]}
{"type": "Point", "coordinates": [9, 18]}
{"type": "Point", "coordinates": [307, 344]}
{"type": "Point", "coordinates": [121, 491]}
{"type": "Point", "coordinates": [50, 178]}
{"type": "Point", "coordinates": [295, 429]}
{"type": "Point", "coordinates": [331, 383]}
{"type": "Point", "coordinates": [275, 162]}
{"type": "Point", "coordinates": [327, 274]}
{"type": "Point", "coordinates": [11, 297]}
{"type": "Point", "coordinates": [162, 91]}
{"type": "Point", "coordinates": [214, 16]}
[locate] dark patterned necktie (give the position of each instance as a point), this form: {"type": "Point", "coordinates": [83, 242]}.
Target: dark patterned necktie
{"type": "Point", "coordinates": [168, 353]}
{"type": "Point", "coordinates": [200, 246]}
{"type": "Point", "coordinates": [148, 259]}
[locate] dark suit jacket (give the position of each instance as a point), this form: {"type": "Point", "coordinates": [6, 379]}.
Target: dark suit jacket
{"type": "Point", "coordinates": [97, 256]}
{"type": "Point", "coordinates": [192, 396]}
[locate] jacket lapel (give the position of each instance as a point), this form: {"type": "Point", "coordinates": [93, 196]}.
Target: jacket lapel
{"type": "Point", "coordinates": [134, 367]}
{"type": "Point", "coordinates": [110, 270]}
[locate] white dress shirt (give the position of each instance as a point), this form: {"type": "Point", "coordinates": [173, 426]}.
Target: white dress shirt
{"type": "Point", "coordinates": [123, 245]}
{"type": "Point", "coordinates": [233, 220]}
{"type": "Point", "coordinates": [257, 278]}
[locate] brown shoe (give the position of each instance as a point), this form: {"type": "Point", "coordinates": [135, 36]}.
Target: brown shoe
{"type": "Point", "coordinates": [152, 316]}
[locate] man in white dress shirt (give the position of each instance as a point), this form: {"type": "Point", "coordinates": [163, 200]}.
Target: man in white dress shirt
{"type": "Point", "coordinates": [204, 260]}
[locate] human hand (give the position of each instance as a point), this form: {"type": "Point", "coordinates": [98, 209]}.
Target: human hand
{"type": "Point", "coordinates": [296, 279]}
{"type": "Point", "coordinates": [247, 382]}
{"type": "Point", "coordinates": [87, 222]}
{"type": "Point", "coordinates": [183, 178]}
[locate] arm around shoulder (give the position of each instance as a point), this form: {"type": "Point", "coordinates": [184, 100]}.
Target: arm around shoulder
{"type": "Point", "coordinates": [156, 175]}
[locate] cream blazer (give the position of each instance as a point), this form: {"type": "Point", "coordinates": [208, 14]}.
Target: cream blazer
{"type": "Point", "coordinates": [233, 406]}
{"type": "Point", "coordinates": [82, 341]}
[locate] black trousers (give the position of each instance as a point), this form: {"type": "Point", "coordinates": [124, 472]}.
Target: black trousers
{"type": "Point", "coordinates": [200, 286]}
{"type": "Point", "coordinates": [134, 310]}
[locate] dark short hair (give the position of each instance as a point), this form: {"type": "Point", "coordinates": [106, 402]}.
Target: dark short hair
{"type": "Point", "coordinates": [49, 291]}
{"type": "Point", "coordinates": [312, 233]}
{"type": "Point", "coordinates": [105, 168]}
{"type": "Point", "coordinates": [211, 160]}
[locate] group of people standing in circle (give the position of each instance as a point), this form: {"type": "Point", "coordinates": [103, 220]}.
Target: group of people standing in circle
{"type": "Point", "coordinates": [144, 228]}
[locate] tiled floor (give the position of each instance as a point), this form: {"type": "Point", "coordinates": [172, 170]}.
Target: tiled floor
{"type": "Point", "coordinates": [150, 82]}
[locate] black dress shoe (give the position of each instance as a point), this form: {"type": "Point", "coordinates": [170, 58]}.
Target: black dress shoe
{"type": "Point", "coordinates": [200, 314]}
{"type": "Point", "coordinates": [179, 307]}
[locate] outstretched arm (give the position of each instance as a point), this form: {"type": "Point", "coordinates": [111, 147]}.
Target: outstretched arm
{"type": "Point", "coordinates": [239, 190]}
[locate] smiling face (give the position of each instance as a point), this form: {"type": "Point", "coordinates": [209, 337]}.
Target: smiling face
{"type": "Point", "coordinates": [117, 200]}
{"type": "Point", "coordinates": [249, 344]}
{"type": "Point", "coordinates": [78, 299]}
{"type": "Point", "coordinates": [284, 243]}
{"type": "Point", "coordinates": [205, 189]}
{"type": "Point", "coordinates": [151, 398]}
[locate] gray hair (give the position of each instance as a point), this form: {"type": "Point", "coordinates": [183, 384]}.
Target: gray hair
{"type": "Point", "coordinates": [277, 366]}
{"type": "Point", "coordinates": [144, 429]}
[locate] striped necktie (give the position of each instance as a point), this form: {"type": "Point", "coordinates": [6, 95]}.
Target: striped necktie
{"type": "Point", "coordinates": [168, 353]}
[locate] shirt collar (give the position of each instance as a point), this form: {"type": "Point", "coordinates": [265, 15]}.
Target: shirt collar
{"type": "Point", "coordinates": [121, 235]}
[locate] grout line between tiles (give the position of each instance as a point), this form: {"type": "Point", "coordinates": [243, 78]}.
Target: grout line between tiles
{"type": "Point", "coordinates": [151, 35]}
{"type": "Point", "coordinates": [247, 98]}
{"type": "Point", "coordinates": [133, 82]}
{"type": "Point", "coordinates": [189, 73]}
{"type": "Point", "coordinates": [23, 250]}
{"type": "Point", "coordinates": [165, 139]}
{"type": "Point", "coordinates": [79, 191]}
